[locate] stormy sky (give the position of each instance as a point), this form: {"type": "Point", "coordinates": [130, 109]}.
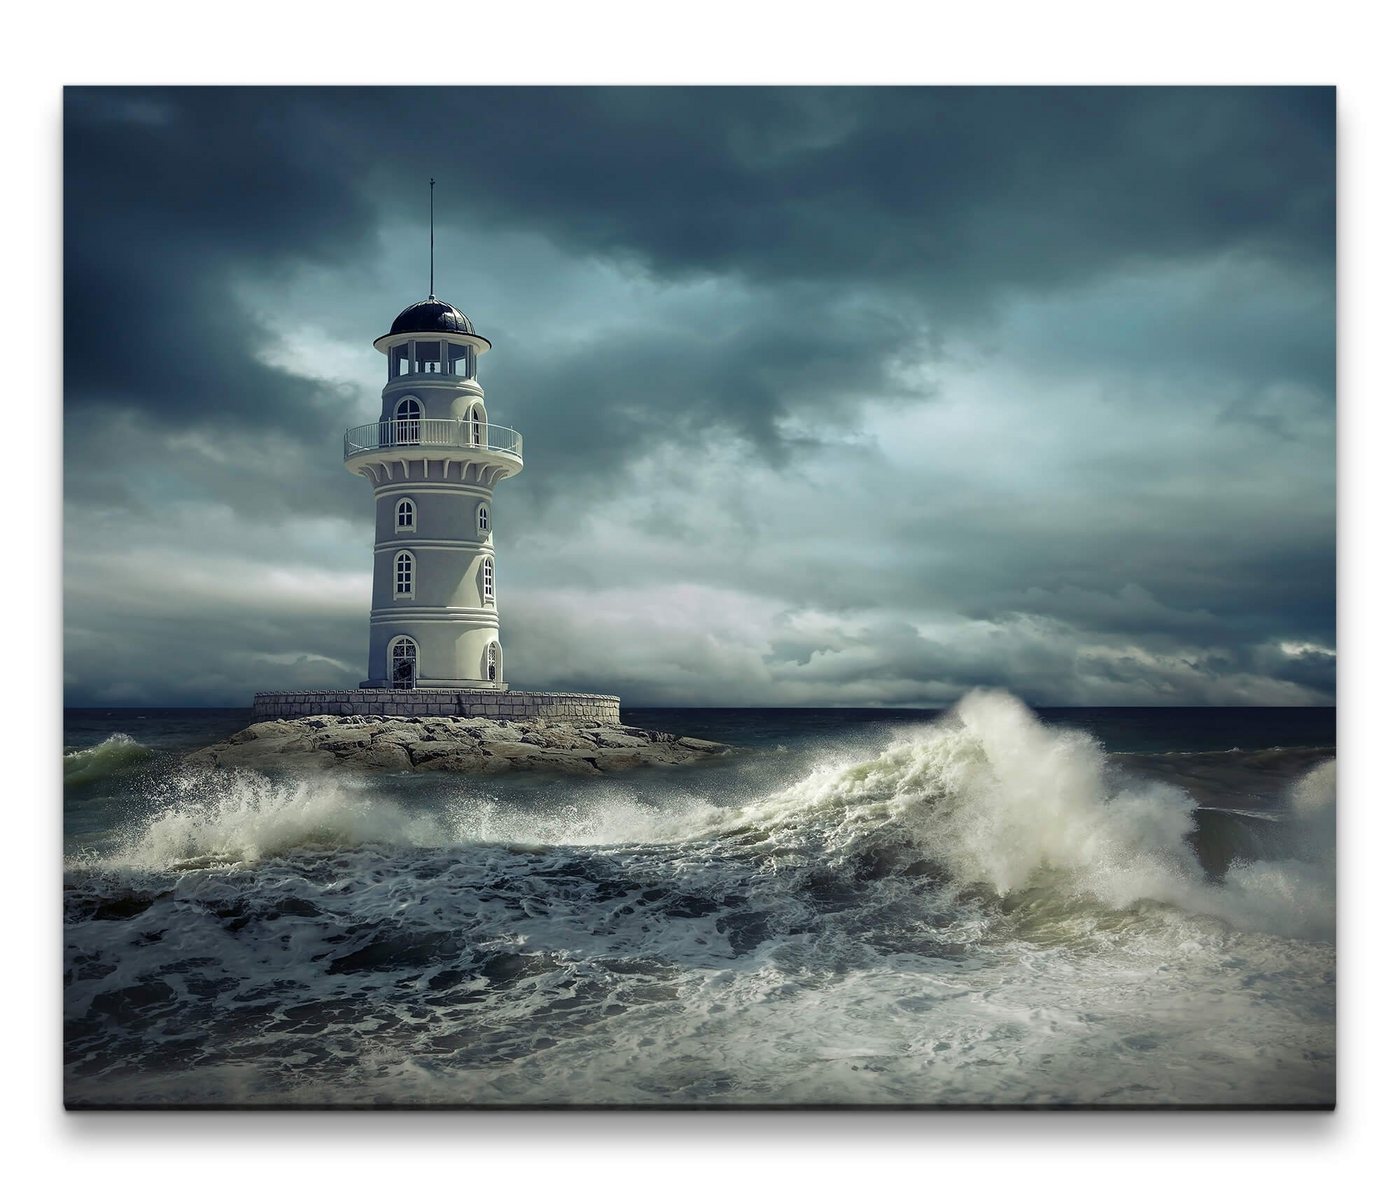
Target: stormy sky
{"type": "Point", "coordinates": [830, 397]}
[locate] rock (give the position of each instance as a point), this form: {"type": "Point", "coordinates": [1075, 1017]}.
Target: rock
{"type": "Point", "coordinates": [432, 749]}
{"type": "Point", "coordinates": [615, 759]}
{"type": "Point", "coordinates": [689, 741]}
{"type": "Point", "coordinates": [383, 756]}
{"type": "Point", "coordinates": [460, 762]}
{"type": "Point", "coordinates": [615, 739]}
{"type": "Point", "coordinates": [579, 766]}
{"type": "Point", "coordinates": [498, 730]}
{"type": "Point", "coordinates": [510, 750]}
{"type": "Point", "coordinates": [259, 731]}
{"type": "Point", "coordinates": [451, 745]}
{"type": "Point", "coordinates": [335, 741]}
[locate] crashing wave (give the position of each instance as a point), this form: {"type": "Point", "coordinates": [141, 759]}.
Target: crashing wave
{"type": "Point", "coordinates": [1000, 801]}
{"type": "Point", "coordinates": [989, 798]}
{"type": "Point", "coordinates": [116, 752]}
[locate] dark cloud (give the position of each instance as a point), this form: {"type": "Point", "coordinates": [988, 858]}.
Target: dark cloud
{"type": "Point", "coordinates": [959, 190]}
{"type": "Point", "coordinates": [170, 198]}
{"type": "Point", "coordinates": [920, 388]}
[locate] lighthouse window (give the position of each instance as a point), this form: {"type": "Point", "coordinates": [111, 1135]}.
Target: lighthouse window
{"type": "Point", "coordinates": [483, 519]}
{"type": "Point", "coordinates": [491, 662]}
{"type": "Point", "coordinates": [476, 425]}
{"type": "Point", "coordinates": [459, 359]}
{"type": "Point", "coordinates": [405, 517]}
{"type": "Point", "coordinates": [427, 357]}
{"type": "Point", "coordinates": [398, 360]}
{"type": "Point", "coordinates": [488, 586]}
{"type": "Point", "coordinates": [403, 575]}
{"type": "Point", "coordinates": [407, 414]}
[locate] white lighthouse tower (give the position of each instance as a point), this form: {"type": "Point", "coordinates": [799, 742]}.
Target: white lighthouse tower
{"type": "Point", "coordinates": [434, 458]}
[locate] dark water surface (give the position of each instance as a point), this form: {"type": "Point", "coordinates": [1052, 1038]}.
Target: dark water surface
{"type": "Point", "coordinates": [996, 906]}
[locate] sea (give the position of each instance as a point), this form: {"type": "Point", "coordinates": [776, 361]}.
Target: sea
{"type": "Point", "coordinates": [987, 906]}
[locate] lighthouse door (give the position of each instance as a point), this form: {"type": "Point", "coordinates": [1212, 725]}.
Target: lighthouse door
{"type": "Point", "coordinates": [403, 665]}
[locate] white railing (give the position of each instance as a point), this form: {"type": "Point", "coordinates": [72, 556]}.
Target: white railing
{"type": "Point", "coordinates": [481, 435]}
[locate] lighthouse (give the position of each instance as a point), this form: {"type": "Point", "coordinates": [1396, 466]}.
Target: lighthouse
{"type": "Point", "coordinates": [434, 458]}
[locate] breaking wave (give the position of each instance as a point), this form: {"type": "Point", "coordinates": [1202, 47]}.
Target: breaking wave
{"type": "Point", "coordinates": [982, 910]}
{"type": "Point", "coordinates": [207, 819]}
{"type": "Point", "coordinates": [1002, 802]}
{"type": "Point", "coordinates": [987, 800]}
{"type": "Point", "coordinates": [118, 751]}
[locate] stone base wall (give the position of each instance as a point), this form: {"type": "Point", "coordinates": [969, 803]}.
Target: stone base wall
{"type": "Point", "coordinates": [487, 704]}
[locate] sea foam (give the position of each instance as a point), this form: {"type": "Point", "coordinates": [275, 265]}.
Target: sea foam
{"type": "Point", "coordinates": [1003, 802]}
{"type": "Point", "coordinates": [998, 801]}
{"type": "Point", "coordinates": [985, 910]}
{"type": "Point", "coordinates": [235, 816]}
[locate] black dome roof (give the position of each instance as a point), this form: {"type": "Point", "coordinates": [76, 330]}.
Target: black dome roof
{"type": "Point", "coordinates": [432, 315]}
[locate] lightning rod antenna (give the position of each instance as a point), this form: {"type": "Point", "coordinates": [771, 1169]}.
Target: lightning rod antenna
{"type": "Point", "coordinates": [432, 246]}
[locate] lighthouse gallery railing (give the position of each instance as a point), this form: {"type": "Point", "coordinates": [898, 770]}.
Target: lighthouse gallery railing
{"type": "Point", "coordinates": [433, 432]}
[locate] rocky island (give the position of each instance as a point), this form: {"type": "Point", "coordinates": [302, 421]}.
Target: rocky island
{"type": "Point", "coordinates": [452, 744]}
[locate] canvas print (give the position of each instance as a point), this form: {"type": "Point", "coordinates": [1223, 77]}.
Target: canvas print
{"type": "Point", "coordinates": [679, 597]}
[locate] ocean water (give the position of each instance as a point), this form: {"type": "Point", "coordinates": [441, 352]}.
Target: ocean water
{"type": "Point", "coordinates": [989, 906]}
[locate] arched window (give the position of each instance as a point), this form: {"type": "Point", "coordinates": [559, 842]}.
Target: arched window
{"type": "Point", "coordinates": [403, 663]}
{"type": "Point", "coordinates": [403, 575]}
{"type": "Point", "coordinates": [477, 425]}
{"type": "Point", "coordinates": [483, 519]}
{"type": "Point", "coordinates": [492, 661]}
{"type": "Point", "coordinates": [407, 415]}
{"type": "Point", "coordinates": [405, 517]}
{"type": "Point", "coordinates": [488, 584]}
